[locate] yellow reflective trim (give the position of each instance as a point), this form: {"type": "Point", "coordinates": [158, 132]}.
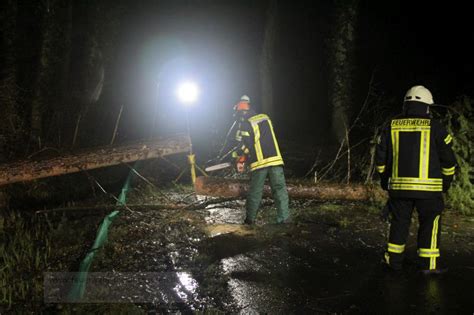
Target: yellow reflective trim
{"type": "Point", "coordinates": [411, 129]}
{"type": "Point", "coordinates": [448, 139]}
{"type": "Point", "coordinates": [245, 133]}
{"type": "Point", "coordinates": [258, 147]}
{"type": "Point", "coordinates": [272, 161]}
{"type": "Point", "coordinates": [425, 157]}
{"type": "Point", "coordinates": [434, 233]}
{"type": "Point", "coordinates": [258, 118]}
{"type": "Point", "coordinates": [421, 187]}
{"type": "Point", "coordinates": [394, 248]}
{"type": "Point", "coordinates": [416, 180]}
{"type": "Point", "coordinates": [394, 135]}
{"type": "Point", "coordinates": [274, 138]}
{"type": "Point", "coordinates": [428, 253]}
{"type": "Point", "coordinates": [448, 171]}
{"type": "Point", "coordinates": [380, 168]}
{"type": "Point", "coordinates": [422, 154]}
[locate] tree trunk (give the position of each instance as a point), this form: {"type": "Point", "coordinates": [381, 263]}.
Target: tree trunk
{"type": "Point", "coordinates": [221, 187]}
{"type": "Point", "coordinates": [266, 59]}
{"type": "Point", "coordinates": [92, 159]}
{"type": "Point", "coordinates": [52, 59]}
{"type": "Point", "coordinates": [341, 52]}
{"type": "Point", "coordinates": [11, 127]}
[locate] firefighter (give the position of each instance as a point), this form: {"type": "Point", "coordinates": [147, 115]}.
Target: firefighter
{"type": "Point", "coordinates": [258, 148]}
{"type": "Point", "coordinates": [416, 165]}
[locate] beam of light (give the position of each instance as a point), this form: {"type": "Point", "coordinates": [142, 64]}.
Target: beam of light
{"type": "Point", "coordinates": [188, 92]}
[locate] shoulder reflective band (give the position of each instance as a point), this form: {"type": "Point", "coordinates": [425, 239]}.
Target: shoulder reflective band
{"type": "Point", "coordinates": [448, 139]}
{"type": "Point", "coordinates": [381, 168]}
{"type": "Point", "coordinates": [394, 248]}
{"type": "Point", "coordinates": [448, 171]}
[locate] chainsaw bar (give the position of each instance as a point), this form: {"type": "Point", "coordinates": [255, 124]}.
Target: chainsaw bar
{"type": "Point", "coordinates": [217, 167]}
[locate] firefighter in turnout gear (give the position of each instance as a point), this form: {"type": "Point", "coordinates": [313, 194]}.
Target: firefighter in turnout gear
{"type": "Point", "coordinates": [257, 147]}
{"type": "Point", "coordinates": [416, 165]}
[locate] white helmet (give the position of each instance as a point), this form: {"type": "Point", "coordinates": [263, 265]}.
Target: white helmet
{"type": "Point", "coordinates": [245, 98]}
{"type": "Point", "coordinates": [419, 93]}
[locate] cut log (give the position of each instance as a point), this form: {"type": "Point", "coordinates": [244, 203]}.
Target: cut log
{"type": "Point", "coordinates": [222, 187]}
{"type": "Point", "coordinates": [28, 170]}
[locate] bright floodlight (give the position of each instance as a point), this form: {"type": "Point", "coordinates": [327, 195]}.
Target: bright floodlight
{"type": "Point", "coordinates": [188, 92]}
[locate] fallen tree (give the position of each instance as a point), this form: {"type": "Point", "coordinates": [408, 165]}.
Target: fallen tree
{"type": "Point", "coordinates": [224, 187]}
{"type": "Point", "coordinates": [28, 170]}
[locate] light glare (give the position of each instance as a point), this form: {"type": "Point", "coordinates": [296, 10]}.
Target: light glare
{"type": "Point", "coordinates": [188, 92]}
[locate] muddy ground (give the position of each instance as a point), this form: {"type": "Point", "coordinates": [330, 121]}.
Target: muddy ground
{"type": "Point", "coordinates": [327, 261]}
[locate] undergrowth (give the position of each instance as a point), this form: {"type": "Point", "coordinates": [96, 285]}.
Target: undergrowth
{"type": "Point", "coordinates": [460, 124]}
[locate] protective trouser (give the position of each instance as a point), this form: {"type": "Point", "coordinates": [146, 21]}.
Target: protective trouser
{"type": "Point", "coordinates": [278, 185]}
{"type": "Point", "coordinates": [429, 230]}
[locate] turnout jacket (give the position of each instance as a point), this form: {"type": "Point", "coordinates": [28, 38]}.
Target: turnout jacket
{"type": "Point", "coordinates": [414, 156]}
{"type": "Point", "coordinates": [256, 139]}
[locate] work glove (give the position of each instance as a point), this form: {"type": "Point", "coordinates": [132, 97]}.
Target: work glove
{"type": "Point", "coordinates": [385, 213]}
{"type": "Point", "coordinates": [446, 183]}
{"type": "Point", "coordinates": [384, 182]}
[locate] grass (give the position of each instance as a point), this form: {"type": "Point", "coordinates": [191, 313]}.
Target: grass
{"type": "Point", "coordinates": [24, 255]}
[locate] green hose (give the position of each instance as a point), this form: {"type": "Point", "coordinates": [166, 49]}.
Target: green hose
{"type": "Point", "coordinates": [79, 284]}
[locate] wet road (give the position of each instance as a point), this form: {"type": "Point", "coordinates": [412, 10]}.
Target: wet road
{"type": "Point", "coordinates": [327, 262]}
{"type": "Point", "coordinates": [325, 267]}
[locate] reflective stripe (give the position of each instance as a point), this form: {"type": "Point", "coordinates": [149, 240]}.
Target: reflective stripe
{"type": "Point", "coordinates": [415, 180]}
{"type": "Point", "coordinates": [245, 133]}
{"type": "Point", "coordinates": [394, 248]}
{"type": "Point", "coordinates": [274, 139]}
{"type": "Point", "coordinates": [424, 154]}
{"type": "Point", "coordinates": [448, 171]}
{"type": "Point", "coordinates": [381, 168]}
{"type": "Point", "coordinates": [258, 118]}
{"type": "Point", "coordinates": [433, 252]}
{"type": "Point", "coordinates": [434, 242]}
{"type": "Point", "coordinates": [420, 187]}
{"type": "Point", "coordinates": [428, 253]}
{"type": "Point", "coordinates": [273, 161]}
{"type": "Point", "coordinates": [258, 147]}
{"type": "Point", "coordinates": [448, 139]}
{"type": "Point", "coordinates": [412, 129]}
{"type": "Point", "coordinates": [395, 146]}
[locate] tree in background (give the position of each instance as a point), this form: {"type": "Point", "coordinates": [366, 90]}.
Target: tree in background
{"type": "Point", "coordinates": [266, 58]}
{"type": "Point", "coordinates": [341, 65]}
{"type": "Point", "coordinates": [11, 120]}
{"type": "Point", "coordinates": [53, 58]}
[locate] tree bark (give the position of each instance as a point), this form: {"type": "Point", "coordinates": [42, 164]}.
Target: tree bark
{"type": "Point", "coordinates": [221, 187]}
{"type": "Point", "coordinates": [95, 158]}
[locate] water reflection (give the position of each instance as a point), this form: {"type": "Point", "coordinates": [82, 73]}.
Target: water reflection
{"type": "Point", "coordinates": [186, 288]}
